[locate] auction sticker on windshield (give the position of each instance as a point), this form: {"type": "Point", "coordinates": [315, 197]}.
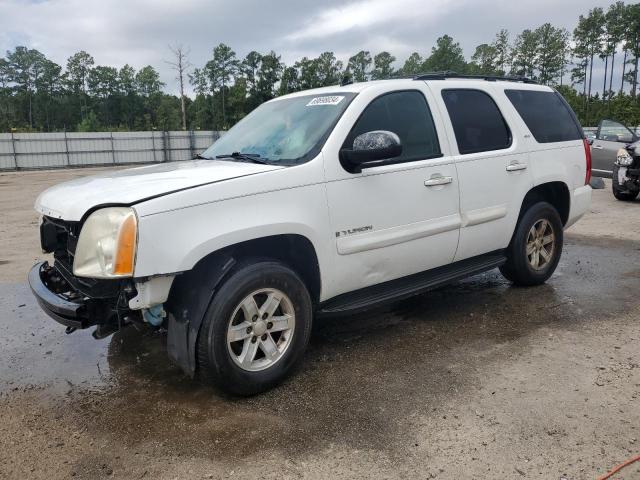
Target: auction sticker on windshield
{"type": "Point", "coordinates": [331, 100]}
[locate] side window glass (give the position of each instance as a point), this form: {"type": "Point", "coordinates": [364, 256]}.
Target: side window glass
{"type": "Point", "coordinates": [477, 122]}
{"type": "Point", "coordinates": [407, 115]}
{"type": "Point", "coordinates": [611, 131]}
{"type": "Point", "coordinates": [546, 115]}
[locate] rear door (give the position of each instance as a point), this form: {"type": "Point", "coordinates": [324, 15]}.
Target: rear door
{"type": "Point", "coordinates": [492, 166]}
{"type": "Point", "coordinates": [610, 137]}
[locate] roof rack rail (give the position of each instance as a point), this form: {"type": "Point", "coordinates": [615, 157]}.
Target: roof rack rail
{"type": "Point", "coordinates": [489, 78]}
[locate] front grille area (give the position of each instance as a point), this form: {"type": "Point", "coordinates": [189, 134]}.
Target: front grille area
{"type": "Point", "coordinates": [60, 237]}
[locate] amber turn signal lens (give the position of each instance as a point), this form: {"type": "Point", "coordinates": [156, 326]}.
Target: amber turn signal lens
{"type": "Point", "coordinates": [126, 247]}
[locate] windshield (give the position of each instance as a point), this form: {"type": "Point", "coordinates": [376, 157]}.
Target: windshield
{"type": "Point", "coordinates": [288, 131]}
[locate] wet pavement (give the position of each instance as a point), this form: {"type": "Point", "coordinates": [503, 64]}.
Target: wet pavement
{"type": "Point", "coordinates": [479, 379]}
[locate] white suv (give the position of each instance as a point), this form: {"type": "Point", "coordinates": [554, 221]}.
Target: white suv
{"type": "Point", "coordinates": [321, 202]}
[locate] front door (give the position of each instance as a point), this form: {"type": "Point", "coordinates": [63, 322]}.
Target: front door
{"type": "Point", "coordinates": [610, 137]}
{"type": "Point", "coordinates": [394, 220]}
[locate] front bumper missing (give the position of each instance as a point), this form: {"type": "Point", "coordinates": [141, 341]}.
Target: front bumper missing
{"type": "Point", "coordinates": [66, 304]}
{"type": "Point", "coordinates": [70, 313]}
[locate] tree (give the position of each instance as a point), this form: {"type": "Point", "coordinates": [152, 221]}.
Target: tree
{"type": "Point", "coordinates": [412, 65]}
{"type": "Point", "coordinates": [525, 51]}
{"type": "Point", "coordinates": [78, 66]}
{"type": "Point", "coordinates": [180, 64]}
{"type": "Point", "coordinates": [502, 50]}
{"type": "Point", "coordinates": [382, 66]}
{"type": "Point", "coordinates": [615, 27]}
{"type": "Point", "coordinates": [24, 67]}
{"type": "Point", "coordinates": [289, 81]}
{"type": "Point", "coordinates": [483, 60]}
{"type": "Point", "coordinates": [308, 73]}
{"type": "Point", "coordinates": [249, 68]}
{"type": "Point", "coordinates": [48, 85]}
{"type": "Point", "coordinates": [222, 68]}
{"type": "Point", "coordinates": [358, 66]}
{"type": "Point", "coordinates": [551, 55]}
{"type": "Point", "coordinates": [269, 74]}
{"type": "Point", "coordinates": [329, 69]}
{"type": "Point", "coordinates": [102, 82]}
{"type": "Point", "coordinates": [632, 40]}
{"type": "Point", "coordinates": [446, 56]}
{"type": "Point", "coordinates": [148, 81]}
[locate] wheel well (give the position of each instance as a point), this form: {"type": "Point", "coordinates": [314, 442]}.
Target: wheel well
{"type": "Point", "coordinates": [556, 193]}
{"type": "Point", "coordinates": [294, 250]}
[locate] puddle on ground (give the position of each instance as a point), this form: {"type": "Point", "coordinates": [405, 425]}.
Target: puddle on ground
{"type": "Point", "coordinates": [359, 380]}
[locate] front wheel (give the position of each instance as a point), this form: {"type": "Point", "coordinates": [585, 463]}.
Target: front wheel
{"type": "Point", "coordinates": [536, 246]}
{"type": "Point", "coordinates": [618, 191]}
{"type": "Point", "coordinates": [256, 328]}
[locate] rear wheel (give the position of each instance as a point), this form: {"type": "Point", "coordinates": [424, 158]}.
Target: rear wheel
{"type": "Point", "coordinates": [536, 246]}
{"type": "Point", "coordinates": [256, 329]}
{"type": "Point", "coordinates": [620, 192]}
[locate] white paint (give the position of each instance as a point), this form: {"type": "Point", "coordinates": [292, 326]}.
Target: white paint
{"type": "Point", "coordinates": [154, 291]}
{"type": "Point", "coordinates": [413, 227]}
{"type": "Point", "coordinates": [395, 235]}
{"type": "Point", "coordinates": [70, 200]}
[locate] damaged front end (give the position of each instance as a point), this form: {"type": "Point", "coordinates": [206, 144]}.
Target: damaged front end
{"type": "Point", "coordinates": [627, 169]}
{"type": "Point", "coordinates": [75, 302]}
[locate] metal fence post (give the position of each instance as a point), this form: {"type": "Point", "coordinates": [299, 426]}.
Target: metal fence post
{"type": "Point", "coordinates": [192, 144]}
{"type": "Point", "coordinates": [66, 147]}
{"type": "Point", "coordinates": [113, 152]}
{"type": "Point", "coordinates": [15, 155]}
{"type": "Point", "coordinates": [165, 141]}
{"type": "Point", "coordinates": [153, 144]}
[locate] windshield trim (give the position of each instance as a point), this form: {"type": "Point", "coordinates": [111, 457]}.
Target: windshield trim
{"type": "Point", "coordinates": [315, 150]}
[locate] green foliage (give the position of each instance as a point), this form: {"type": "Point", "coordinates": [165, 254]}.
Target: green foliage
{"type": "Point", "coordinates": [36, 94]}
{"type": "Point", "coordinates": [445, 56]}
{"type": "Point", "coordinates": [358, 66]}
{"type": "Point", "coordinates": [89, 123]}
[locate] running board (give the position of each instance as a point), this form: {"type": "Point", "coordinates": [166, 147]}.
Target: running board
{"type": "Point", "coordinates": [408, 286]}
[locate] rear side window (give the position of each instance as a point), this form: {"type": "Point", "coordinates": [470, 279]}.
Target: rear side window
{"type": "Point", "coordinates": [477, 122]}
{"type": "Point", "coordinates": [546, 115]}
{"type": "Point", "coordinates": [407, 115]}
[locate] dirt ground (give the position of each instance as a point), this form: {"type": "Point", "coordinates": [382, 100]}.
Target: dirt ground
{"type": "Point", "coordinates": [478, 380]}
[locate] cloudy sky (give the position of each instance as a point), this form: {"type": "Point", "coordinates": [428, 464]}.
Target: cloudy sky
{"type": "Point", "coordinates": [138, 31]}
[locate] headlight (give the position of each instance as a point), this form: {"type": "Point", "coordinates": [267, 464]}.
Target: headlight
{"type": "Point", "coordinates": [107, 244]}
{"type": "Point", "coordinates": [623, 158]}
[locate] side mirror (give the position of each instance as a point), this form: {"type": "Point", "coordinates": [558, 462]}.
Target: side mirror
{"type": "Point", "coordinates": [590, 141]}
{"type": "Point", "coordinates": [371, 147]}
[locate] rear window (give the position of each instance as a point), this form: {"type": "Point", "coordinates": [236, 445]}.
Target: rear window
{"type": "Point", "coordinates": [477, 122]}
{"type": "Point", "coordinates": [546, 114]}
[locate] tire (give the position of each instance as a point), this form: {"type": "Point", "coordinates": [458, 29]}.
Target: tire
{"type": "Point", "coordinates": [620, 193]}
{"type": "Point", "coordinates": [242, 367]}
{"type": "Point", "coordinates": [534, 227]}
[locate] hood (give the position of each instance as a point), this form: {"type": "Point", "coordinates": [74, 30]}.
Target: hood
{"type": "Point", "coordinates": [70, 200]}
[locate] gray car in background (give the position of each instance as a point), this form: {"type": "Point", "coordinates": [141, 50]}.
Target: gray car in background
{"type": "Point", "coordinates": [610, 137]}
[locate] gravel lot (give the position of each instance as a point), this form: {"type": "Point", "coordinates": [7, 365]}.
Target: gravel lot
{"type": "Point", "coordinates": [478, 380]}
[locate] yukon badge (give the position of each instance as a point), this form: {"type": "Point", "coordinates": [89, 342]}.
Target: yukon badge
{"type": "Point", "coordinates": [351, 231]}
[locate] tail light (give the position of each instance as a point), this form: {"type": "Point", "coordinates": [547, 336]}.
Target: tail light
{"type": "Point", "coordinates": [587, 154]}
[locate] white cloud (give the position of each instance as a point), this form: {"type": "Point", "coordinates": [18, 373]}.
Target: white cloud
{"type": "Point", "coordinates": [137, 32]}
{"type": "Point", "coordinates": [369, 13]}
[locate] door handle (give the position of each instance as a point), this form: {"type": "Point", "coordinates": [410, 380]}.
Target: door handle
{"type": "Point", "coordinates": [514, 167]}
{"type": "Point", "coordinates": [598, 147]}
{"type": "Point", "coordinates": [433, 181]}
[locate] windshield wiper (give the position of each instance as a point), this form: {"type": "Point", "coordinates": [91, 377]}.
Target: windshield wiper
{"type": "Point", "coordinates": [199, 156]}
{"type": "Point", "coordinates": [247, 157]}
